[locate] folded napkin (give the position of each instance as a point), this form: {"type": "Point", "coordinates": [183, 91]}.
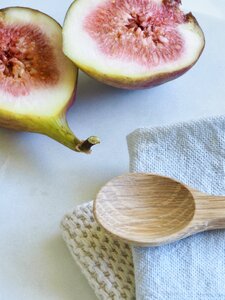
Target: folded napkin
{"type": "Point", "coordinates": [191, 269]}
{"type": "Point", "coordinates": [105, 262]}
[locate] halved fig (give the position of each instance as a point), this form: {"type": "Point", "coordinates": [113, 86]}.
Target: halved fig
{"type": "Point", "coordinates": [37, 81]}
{"type": "Point", "coordinates": [132, 43]}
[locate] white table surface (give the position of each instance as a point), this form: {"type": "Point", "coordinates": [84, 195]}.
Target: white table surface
{"type": "Point", "coordinates": [40, 180]}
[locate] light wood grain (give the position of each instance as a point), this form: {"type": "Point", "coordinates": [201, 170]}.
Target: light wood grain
{"type": "Point", "coordinates": [151, 210]}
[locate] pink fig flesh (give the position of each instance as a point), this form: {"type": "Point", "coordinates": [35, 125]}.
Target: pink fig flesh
{"type": "Point", "coordinates": [131, 43]}
{"type": "Point", "coordinates": [27, 60]}
{"type": "Point", "coordinates": [142, 30]}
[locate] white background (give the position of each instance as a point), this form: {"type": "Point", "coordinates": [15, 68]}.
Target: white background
{"type": "Point", "coordinates": [40, 180]}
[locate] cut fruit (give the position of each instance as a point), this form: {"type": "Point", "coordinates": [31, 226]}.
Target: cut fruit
{"type": "Point", "coordinates": [130, 43]}
{"type": "Point", "coordinates": [37, 81]}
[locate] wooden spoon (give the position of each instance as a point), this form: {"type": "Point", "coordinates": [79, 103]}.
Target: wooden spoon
{"type": "Point", "coordinates": [151, 210]}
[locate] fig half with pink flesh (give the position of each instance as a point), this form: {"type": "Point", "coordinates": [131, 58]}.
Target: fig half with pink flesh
{"type": "Point", "coordinates": [37, 81]}
{"type": "Point", "coordinates": [132, 43]}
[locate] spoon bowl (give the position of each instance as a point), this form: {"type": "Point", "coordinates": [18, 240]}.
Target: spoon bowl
{"type": "Point", "coordinates": [151, 210]}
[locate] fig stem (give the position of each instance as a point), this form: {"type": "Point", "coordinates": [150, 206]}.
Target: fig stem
{"type": "Point", "coordinates": [86, 145]}
{"type": "Point", "coordinates": [60, 131]}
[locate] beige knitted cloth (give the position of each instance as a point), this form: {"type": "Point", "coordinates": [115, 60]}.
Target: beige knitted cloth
{"type": "Point", "coordinates": [106, 263]}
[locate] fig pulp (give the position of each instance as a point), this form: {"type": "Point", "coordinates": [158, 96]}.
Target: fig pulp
{"type": "Point", "coordinates": [37, 81]}
{"type": "Point", "coordinates": [130, 43]}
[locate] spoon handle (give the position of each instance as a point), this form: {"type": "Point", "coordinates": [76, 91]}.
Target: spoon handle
{"type": "Point", "coordinates": [210, 210]}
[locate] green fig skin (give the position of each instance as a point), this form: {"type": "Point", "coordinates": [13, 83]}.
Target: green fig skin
{"type": "Point", "coordinates": [54, 126]}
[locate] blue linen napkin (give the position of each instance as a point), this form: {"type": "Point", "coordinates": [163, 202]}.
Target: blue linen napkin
{"type": "Point", "coordinates": [193, 153]}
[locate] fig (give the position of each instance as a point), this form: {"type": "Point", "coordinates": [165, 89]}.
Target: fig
{"type": "Point", "coordinates": [132, 43]}
{"type": "Point", "coordinates": [37, 81]}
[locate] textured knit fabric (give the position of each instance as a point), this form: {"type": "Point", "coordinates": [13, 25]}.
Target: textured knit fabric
{"type": "Point", "coordinates": [194, 268]}
{"type": "Point", "coordinates": [191, 269]}
{"type": "Point", "coordinates": [105, 262]}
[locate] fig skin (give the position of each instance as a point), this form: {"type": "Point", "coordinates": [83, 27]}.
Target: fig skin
{"type": "Point", "coordinates": [138, 82]}
{"type": "Point", "coordinates": [54, 126]}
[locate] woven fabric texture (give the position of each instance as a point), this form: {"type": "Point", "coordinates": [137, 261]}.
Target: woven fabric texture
{"type": "Point", "coordinates": [105, 262]}
{"type": "Point", "coordinates": [193, 153]}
